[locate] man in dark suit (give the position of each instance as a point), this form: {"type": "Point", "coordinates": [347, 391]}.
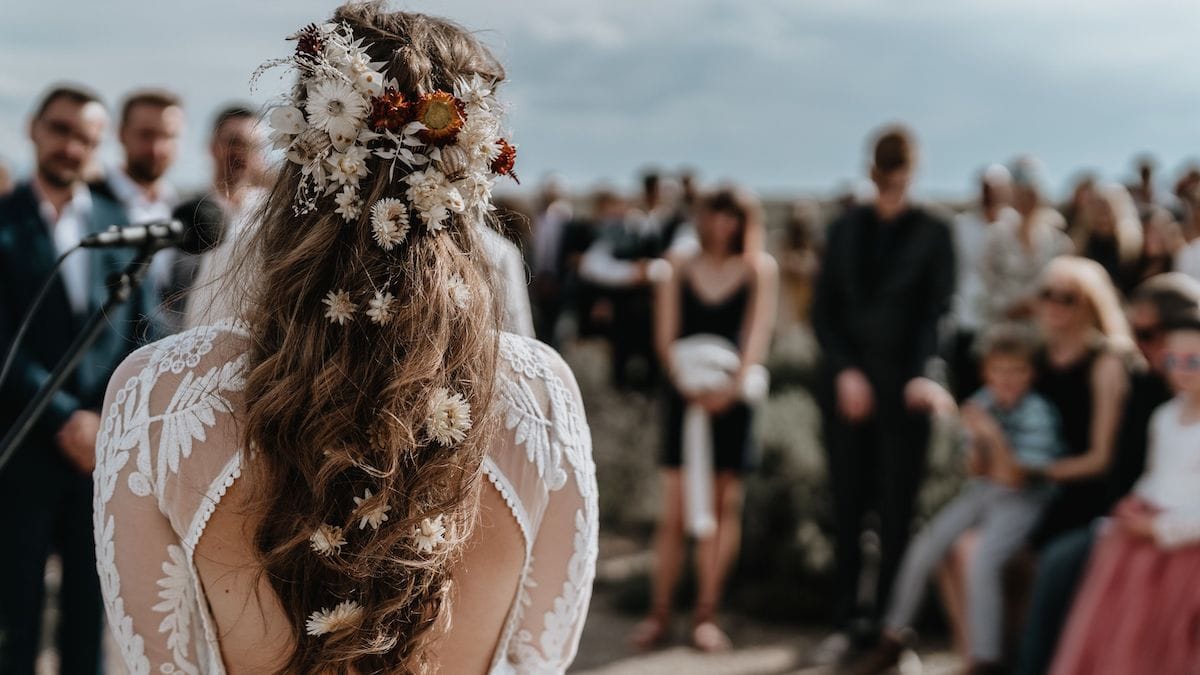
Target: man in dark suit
{"type": "Point", "coordinates": [885, 284]}
{"type": "Point", "coordinates": [46, 489]}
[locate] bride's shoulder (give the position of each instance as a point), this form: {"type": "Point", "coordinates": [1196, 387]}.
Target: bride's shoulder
{"type": "Point", "coordinates": [218, 345]}
{"type": "Point", "coordinates": [531, 359]}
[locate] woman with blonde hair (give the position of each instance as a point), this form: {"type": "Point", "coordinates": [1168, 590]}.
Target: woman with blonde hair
{"type": "Point", "coordinates": [361, 473]}
{"type": "Point", "coordinates": [1112, 233]}
{"type": "Point", "coordinates": [1083, 371]}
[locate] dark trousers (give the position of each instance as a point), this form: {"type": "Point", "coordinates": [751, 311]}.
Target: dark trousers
{"type": "Point", "coordinates": [46, 507]}
{"type": "Point", "coordinates": [1059, 572]}
{"type": "Point", "coordinates": [964, 365]}
{"type": "Point", "coordinates": [877, 465]}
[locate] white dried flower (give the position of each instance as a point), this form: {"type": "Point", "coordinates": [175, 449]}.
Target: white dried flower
{"type": "Point", "coordinates": [340, 307]}
{"type": "Point", "coordinates": [349, 206]}
{"type": "Point", "coordinates": [449, 417]}
{"type": "Point", "coordinates": [345, 615]}
{"type": "Point", "coordinates": [376, 516]}
{"type": "Point", "coordinates": [380, 309]}
{"type": "Point", "coordinates": [433, 197]}
{"type": "Point", "coordinates": [430, 534]}
{"type": "Point", "coordinates": [460, 292]}
{"type": "Point", "coordinates": [287, 120]}
{"type": "Point", "coordinates": [327, 540]}
{"type": "Point", "coordinates": [334, 106]}
{"type": "Point", "coordinates": [349, 167]}
{"type": "Point", "coordinates": [389, 222]}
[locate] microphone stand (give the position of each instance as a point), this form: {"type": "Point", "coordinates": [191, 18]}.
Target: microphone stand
{"type": "Point", "coordinates": [121, 286]}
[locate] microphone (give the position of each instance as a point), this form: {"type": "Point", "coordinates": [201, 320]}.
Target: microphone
{"type": "Point", "coordinates": [157, 234]}
{"type": "Point", "coordinates": [204, 224]}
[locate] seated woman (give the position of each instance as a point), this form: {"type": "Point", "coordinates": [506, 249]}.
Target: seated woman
{"type": "Point", "coordinates": [1084, 371]}
{"type": "Point", "coordinates": [1139, 608]}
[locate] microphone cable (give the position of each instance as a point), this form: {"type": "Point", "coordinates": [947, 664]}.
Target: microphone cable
{"type": "Point", "coordinates": [30, 313]}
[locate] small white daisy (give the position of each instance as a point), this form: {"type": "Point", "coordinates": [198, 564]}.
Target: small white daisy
{"type": "Point", "coordinates": [340, 307]}
{"type": "Point", "coordinates": [345, 615]}
{"type": "Point", "coordinates": [380, 309]}
{"type": "Point", "coordinates": [460, 292]}
{"type": "Point", "coordinates": [430, 534]}
{"type": "Point", "coordinates": [449, 417]}
{"type": "Point", "coordinates": [375, 516]}
{"type": "Point", "coordinates": [327, 540]}
{"type": "Point", "coordinates": [389, 222]}
{"type": "Point", "coordinates": [349, 205]}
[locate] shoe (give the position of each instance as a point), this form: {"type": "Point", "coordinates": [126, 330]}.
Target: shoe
{"type": "Point", "coordinates": [651, 632]}
{"type": "Point", "coordinates": [885, 656]}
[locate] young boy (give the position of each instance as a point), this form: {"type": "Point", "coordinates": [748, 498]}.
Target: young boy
{"type": "Point", "coordinates": [1010, 430]}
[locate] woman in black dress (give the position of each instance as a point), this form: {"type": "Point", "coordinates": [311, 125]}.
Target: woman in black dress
{"type": "Point", "coordinates": [726, 289]}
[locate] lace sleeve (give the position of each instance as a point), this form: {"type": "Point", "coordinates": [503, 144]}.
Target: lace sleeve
{"type": "Point", "coordinates": [141, 563]}
{"type": "Point", "coordinates": [562, 565]}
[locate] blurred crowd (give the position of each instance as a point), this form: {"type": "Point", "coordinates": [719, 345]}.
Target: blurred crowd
{"type": "Point", "coordinates": [1064, 338]}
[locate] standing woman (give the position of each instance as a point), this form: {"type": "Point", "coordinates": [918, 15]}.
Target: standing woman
{"type": "Point", "coordinates": [725, 291]}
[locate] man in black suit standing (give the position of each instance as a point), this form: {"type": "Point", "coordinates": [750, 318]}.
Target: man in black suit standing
{"type": "Point", "coordinates": [885, 284]}
{"type": "Point", "coordinates": [46, 489]}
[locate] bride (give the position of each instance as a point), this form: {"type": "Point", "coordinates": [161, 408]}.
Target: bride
{"type": "Point", "coordinates": [361, 473]}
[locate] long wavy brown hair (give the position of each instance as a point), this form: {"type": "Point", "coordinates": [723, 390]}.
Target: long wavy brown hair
{"type": "Point", "coordinates": [334, 411]}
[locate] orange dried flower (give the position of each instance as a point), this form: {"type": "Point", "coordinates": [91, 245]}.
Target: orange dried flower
{"type": "Point", "coordinates": [443, 116]}
{"type": "Point", "coordinates": [506, 160]}
{"type": "Point", "coordinates": [389, 111]}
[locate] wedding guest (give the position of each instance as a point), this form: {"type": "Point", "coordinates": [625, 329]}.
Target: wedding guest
{"type": "Point", "coordinates": [1112, 233]}
{"type": "Point", "coordinates": [1062, 561]}
{"type": "Point", "coordinates": [151, 125]}
{"type": "Point", "coordinates": [554, 213]}
{"type": "Point", "coordinates": [1138, 605]}
{"type": "Point", "coordinates": [1073, 210]}
{"type": "Point", "coordinates": [46, 489]}
{"type": "Point", "coordinates": [236, 147]}
{"type": "Point", "coordinates": [971, 230]}
{"type": "Point", "coordinates": [714, 316]}
{"type": "Point", "coordinates": [1084, 371]}
{"type": "Point", "coordinates": [1018, 250]}
{"type": "Point", "coordinates": [884, 287]}
{"type": "Point", "coordinates": [1010, 429]}
{"type": "Point", "coordinates": [1162, 241]}
{"type": "Point", "coordinates": [799, 260]}
{"type": "Point", "coordinates": [618, 262]}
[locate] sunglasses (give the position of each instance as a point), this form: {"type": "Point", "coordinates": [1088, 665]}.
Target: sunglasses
{"type": "Point", "coordinates": [1064, 298]}
{"type": "Point", "coordinates": [1188, 363]}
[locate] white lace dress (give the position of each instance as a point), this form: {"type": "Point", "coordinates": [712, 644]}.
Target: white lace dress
{"type": "Point", "coordinates": [167, 452]}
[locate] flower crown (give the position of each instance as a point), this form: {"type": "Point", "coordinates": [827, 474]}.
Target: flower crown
{"type": "Point", "coordinates": [449, 144]}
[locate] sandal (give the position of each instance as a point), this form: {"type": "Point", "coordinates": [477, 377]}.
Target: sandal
{"type": "Point", "coordinates": [650, 632]}
{"type": "Point", "coordinates": [707, 636]}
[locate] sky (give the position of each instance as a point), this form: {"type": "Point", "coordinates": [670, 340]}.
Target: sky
{"type": "Point", "coordinates": [777, 95]}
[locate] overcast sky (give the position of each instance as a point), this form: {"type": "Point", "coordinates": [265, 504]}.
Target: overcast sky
{"type": "Point", "coordinates": [777, 94]}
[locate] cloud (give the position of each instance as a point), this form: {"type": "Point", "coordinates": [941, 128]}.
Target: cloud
{"type": "Point", "coordinates": [775, 93]}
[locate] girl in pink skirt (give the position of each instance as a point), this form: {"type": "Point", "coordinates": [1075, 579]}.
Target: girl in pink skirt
{"type": "Point", "coordinates": [1139, 608]}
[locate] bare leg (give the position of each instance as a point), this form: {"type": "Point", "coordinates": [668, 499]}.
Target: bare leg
{"type": "Point", "coordinates": [668, 554]}
{"type": "Point", "coordinates": [715, 557]}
